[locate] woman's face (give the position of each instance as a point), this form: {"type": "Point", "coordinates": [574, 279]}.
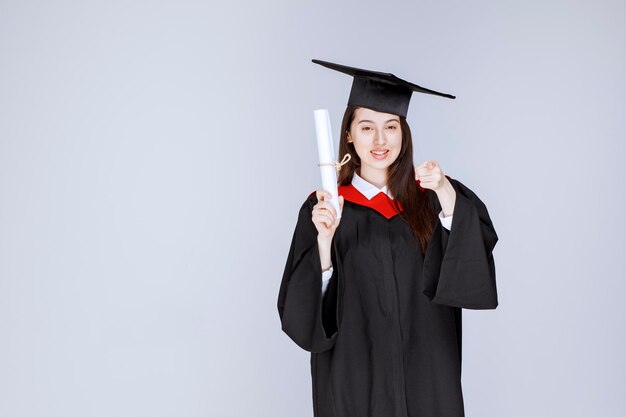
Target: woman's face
{"type": "Point", "coordinates": [377, 138]}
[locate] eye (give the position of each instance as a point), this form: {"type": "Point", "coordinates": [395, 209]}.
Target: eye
{"type": "Point", "coordinates": [392, 127]}
{"type": "Point", "coordinates": [366, 128]}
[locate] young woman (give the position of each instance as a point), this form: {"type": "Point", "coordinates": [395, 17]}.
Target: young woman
{"type": "Point", "coordinates": [376, 296]}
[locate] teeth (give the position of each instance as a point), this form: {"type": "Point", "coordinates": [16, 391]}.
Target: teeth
{"type": "Point", "coordinates": [379, 152]}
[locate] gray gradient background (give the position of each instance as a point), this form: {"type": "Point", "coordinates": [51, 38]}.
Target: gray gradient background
{"type": "Point", "coordinates": [154, 155]}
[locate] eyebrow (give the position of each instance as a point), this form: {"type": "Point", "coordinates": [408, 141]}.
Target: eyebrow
{"type": "Point", "coordinates": [390, 120]}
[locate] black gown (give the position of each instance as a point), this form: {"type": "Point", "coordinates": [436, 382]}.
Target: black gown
{"type": "Point", "coordinates": [385, 338]}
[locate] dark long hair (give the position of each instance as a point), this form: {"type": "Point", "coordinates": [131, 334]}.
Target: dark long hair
{"type": "Point", "coordinates": [418, 210]}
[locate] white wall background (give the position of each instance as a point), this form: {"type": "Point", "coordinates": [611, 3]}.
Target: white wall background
{"type": "Point", "coordinates": [153, 156]}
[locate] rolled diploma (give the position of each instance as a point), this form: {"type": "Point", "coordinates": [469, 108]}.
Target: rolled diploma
{"type": "Point", "coordinates": [327, 155]}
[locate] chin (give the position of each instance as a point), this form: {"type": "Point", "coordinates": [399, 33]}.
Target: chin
{"type": "Point", "coordinates": [384, 163]}
{"type": "Point", "coordinates": [382, 166]}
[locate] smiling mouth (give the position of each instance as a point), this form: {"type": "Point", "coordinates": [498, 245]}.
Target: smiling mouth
{"type": "Point", "coordinates": [380, 154]}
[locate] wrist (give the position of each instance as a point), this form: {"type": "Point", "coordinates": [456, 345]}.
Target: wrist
{"type": "Point", "coordinates": [324, 247]}
{"type": "Point", "coordinates": [447, 198]}
{"type": "Point", "coordinates": [446, 190]}
{"type": "Point", "coordinates": [324, 242]}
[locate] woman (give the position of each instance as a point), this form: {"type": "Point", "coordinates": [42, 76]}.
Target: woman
{"type": "Point", "coordinates": [376, 297]}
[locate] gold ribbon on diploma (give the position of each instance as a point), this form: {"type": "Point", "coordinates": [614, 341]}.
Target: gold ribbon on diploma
{"type": "Point", "coordinates": [336, 164]}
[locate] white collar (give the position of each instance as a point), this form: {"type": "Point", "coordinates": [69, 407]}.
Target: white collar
{"type": "Point", "coordinates": [367, 189]}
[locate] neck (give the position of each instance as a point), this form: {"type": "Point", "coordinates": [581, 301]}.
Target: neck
{"type": "Point", "coordinates": [376, 177]}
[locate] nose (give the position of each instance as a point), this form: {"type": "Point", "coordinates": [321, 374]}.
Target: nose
{"type": "Point", "coordinates": [380, 137]}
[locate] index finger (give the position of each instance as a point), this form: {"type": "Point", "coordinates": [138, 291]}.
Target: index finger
{"type": "Point", "coordinates": [322, 195]}
{"type": "Point", "coordinates": [421, 165]}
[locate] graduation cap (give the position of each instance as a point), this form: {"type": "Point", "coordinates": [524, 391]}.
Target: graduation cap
{"type": "Point", "coordinates": [379, 91]}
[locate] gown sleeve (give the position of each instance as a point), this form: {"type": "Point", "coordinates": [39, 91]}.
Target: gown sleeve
{"type": "Point", "coordinates": [308, 316]}
{"type": "Point", "coordinates": [459, 268]}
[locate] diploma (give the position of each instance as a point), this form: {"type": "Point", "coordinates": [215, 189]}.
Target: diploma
{"type": "Point", "coordinates": [327, 164]}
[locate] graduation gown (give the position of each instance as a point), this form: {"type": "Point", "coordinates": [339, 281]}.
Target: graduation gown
{"type": "Point", "coordinates": [385, 337]}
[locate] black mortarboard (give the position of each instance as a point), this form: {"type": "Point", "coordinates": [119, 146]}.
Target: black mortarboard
{"type": "Point", "coordinates": [379, 91]}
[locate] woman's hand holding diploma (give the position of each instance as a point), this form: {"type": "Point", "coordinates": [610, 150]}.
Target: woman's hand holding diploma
{"type": "Point", "coordinates": [325, 219]}
{"type": "Point", "coordinates": [325, 216]}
